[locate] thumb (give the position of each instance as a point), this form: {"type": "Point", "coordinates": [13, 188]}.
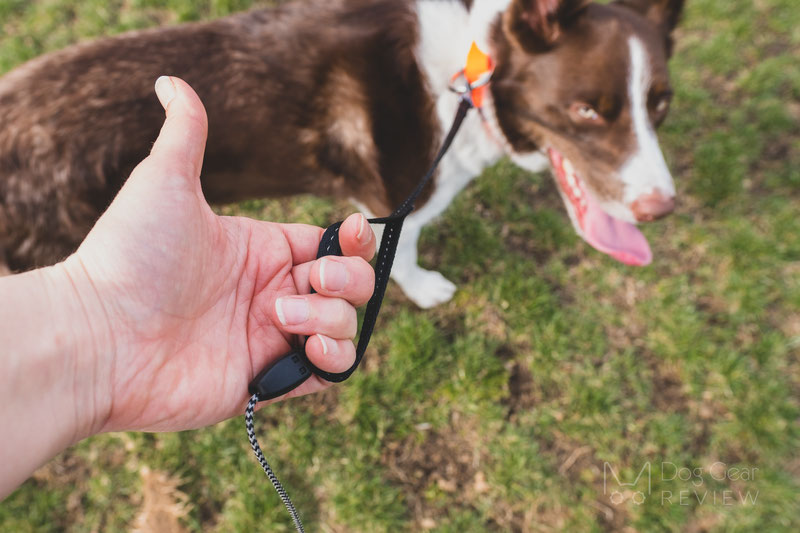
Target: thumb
{"type": "Point", "coordinates": [180, 145]}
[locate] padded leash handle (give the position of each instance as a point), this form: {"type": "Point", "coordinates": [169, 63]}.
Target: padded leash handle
{"type": "Point", "coordinates": [294, 368]}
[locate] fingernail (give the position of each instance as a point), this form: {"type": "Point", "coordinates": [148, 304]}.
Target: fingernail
{"type": "Point", "coordinates": [364, 233]}
{"type": "Point", "coordinates": [333, 276]}
{"type": "Point", "coordinates": [292, 310]}
{"type": "Point", "coordinates": [165, 90]}
{"type": "Point", "coordinates": [323, 343]}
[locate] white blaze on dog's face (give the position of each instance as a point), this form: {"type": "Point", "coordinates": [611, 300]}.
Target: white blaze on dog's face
{"type": "Point", "coordinates": [645, 172]}
{"type": "Point", "coordinates": [588, 85]}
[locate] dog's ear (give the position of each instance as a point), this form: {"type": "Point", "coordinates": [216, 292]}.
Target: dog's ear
{"type": "Point", "coordinates": [663, 13]}
{"type": "Point", "coordinates": [537, 24]}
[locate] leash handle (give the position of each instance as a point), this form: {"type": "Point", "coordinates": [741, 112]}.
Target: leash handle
{"type": "Point", "coordinates": [294, 368]}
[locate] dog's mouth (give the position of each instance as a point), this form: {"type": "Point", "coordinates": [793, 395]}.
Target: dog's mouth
{"type": "Point", "coordinates": [621, 240]}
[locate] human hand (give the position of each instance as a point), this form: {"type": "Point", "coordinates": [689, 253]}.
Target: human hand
{"type": "Point", "coordinates": [185, 306]}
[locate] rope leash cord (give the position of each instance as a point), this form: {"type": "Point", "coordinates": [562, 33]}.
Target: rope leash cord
{"type": "Point", "coordinates": [294, 368]}
{"type": "Point", "coordinates": [251, 435]}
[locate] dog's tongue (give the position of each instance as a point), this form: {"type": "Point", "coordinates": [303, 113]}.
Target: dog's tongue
{"type": "Point", "coordinates": [621, 240]}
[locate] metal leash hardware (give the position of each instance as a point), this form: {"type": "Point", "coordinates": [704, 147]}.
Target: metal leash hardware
{"type": "Point", "coordinates": [294, 368]}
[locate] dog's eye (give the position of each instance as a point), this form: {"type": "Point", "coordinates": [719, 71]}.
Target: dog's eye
{"type": "Point", "coordinates": [582, 112]}
{"type": "Point", "coordinates": [659, 101]}
{"type": "Point", "coordinates": [587, 112]}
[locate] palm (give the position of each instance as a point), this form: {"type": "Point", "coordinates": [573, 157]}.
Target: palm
{"type": "Point", "coordinates": [201, 310]}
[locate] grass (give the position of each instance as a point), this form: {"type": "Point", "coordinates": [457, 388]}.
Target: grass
{"type": "Point", "coordinates": [503, 409]}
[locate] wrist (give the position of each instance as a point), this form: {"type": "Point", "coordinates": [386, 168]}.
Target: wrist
{"type": "Point", "coordinates": [82, 327]}
{"type": "Point", "coordinates": [58, 356]}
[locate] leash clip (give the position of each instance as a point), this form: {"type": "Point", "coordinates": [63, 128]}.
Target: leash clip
{"type": "Point", "coordinates": [460, 85]}
{"type": "Point", "coordinates": [471, 81]}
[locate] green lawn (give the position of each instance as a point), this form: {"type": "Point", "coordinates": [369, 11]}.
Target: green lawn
{"type": "Point", "coordinates": [502, 410]}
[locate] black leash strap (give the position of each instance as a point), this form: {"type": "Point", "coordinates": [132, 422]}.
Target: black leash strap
{"type": "Point", "coordinates": [294, 368]}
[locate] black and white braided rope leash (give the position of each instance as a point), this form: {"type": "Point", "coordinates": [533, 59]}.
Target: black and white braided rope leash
{"type": "Point", "coordinates": [251, 435]}
{"type": "Point", "coordinates": [291, 370]}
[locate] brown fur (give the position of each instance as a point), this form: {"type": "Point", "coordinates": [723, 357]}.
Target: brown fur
{"type": "Point", "coordinates": [323, 97]}
{"type": "Point", "coordinates": [76, 122]}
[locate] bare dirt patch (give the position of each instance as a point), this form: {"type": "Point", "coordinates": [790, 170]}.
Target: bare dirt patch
{"type": "Point", "coordinates": [447, 460]}
{"type": "Point", "coordinates": [522, 391]}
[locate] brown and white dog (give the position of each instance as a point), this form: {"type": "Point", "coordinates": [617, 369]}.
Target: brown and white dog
{"type": "Point", "coordinates": [350, 98]}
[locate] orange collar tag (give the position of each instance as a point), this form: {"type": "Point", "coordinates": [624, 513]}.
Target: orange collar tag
{"type": "Point", "coordinates": [478, 66]}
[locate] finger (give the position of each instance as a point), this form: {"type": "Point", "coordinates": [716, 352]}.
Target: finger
{"type": "Point", "coordinates": [350, 278]}
{"type": "Point", "coordinates": [180, 145]}
{"type": "Point", "coordinates": [331, 355]}
{"type": "Point", "coordinates": [314, 313]}
{"type": "Point", "coordinates": [301, 274]}
{"type": "Point", "coordinates": [356, 237]}
{"type": "Point", "coordinates": [303, 240]}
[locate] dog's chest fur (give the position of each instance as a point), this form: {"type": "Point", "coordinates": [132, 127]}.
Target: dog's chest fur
{"type": "Point", "coordinates": [447, 29]}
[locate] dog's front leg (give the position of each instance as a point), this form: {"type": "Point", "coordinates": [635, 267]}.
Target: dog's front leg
{"type": "Point", "coordinates": [426, 288]}
{"type": "Point", "coordinates": [470, 153]}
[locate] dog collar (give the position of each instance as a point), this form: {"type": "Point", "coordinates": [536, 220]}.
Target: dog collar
{"type": "Point", "coordinates": [477, 73]}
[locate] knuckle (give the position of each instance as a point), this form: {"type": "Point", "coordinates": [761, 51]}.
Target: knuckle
{"type": "Point", "coordinates": [349, 348]}
{"type": "Point", "coordinates": [315, 345]}
{"type": "Point", "coordinates": [347, 319]}
{"type": "Point", "coordinates": [361, 264]}
{"type": "Point", "coordinates": [348, 352]}
{"type": "Point", "coordinates": [363, 273]}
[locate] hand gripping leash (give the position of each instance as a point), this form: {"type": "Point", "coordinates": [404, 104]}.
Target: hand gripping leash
{"type": "Point", "coordinates": [291, 370]}
{"type": "Point", "coordinates": [294, 368]}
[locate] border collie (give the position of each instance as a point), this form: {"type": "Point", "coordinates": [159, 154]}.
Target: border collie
{"type": "Point", "coordinates": [350, 98]}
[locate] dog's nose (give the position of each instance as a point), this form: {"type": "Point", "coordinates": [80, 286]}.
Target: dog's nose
{"type": "Point", "coordinates": [652, 206]}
